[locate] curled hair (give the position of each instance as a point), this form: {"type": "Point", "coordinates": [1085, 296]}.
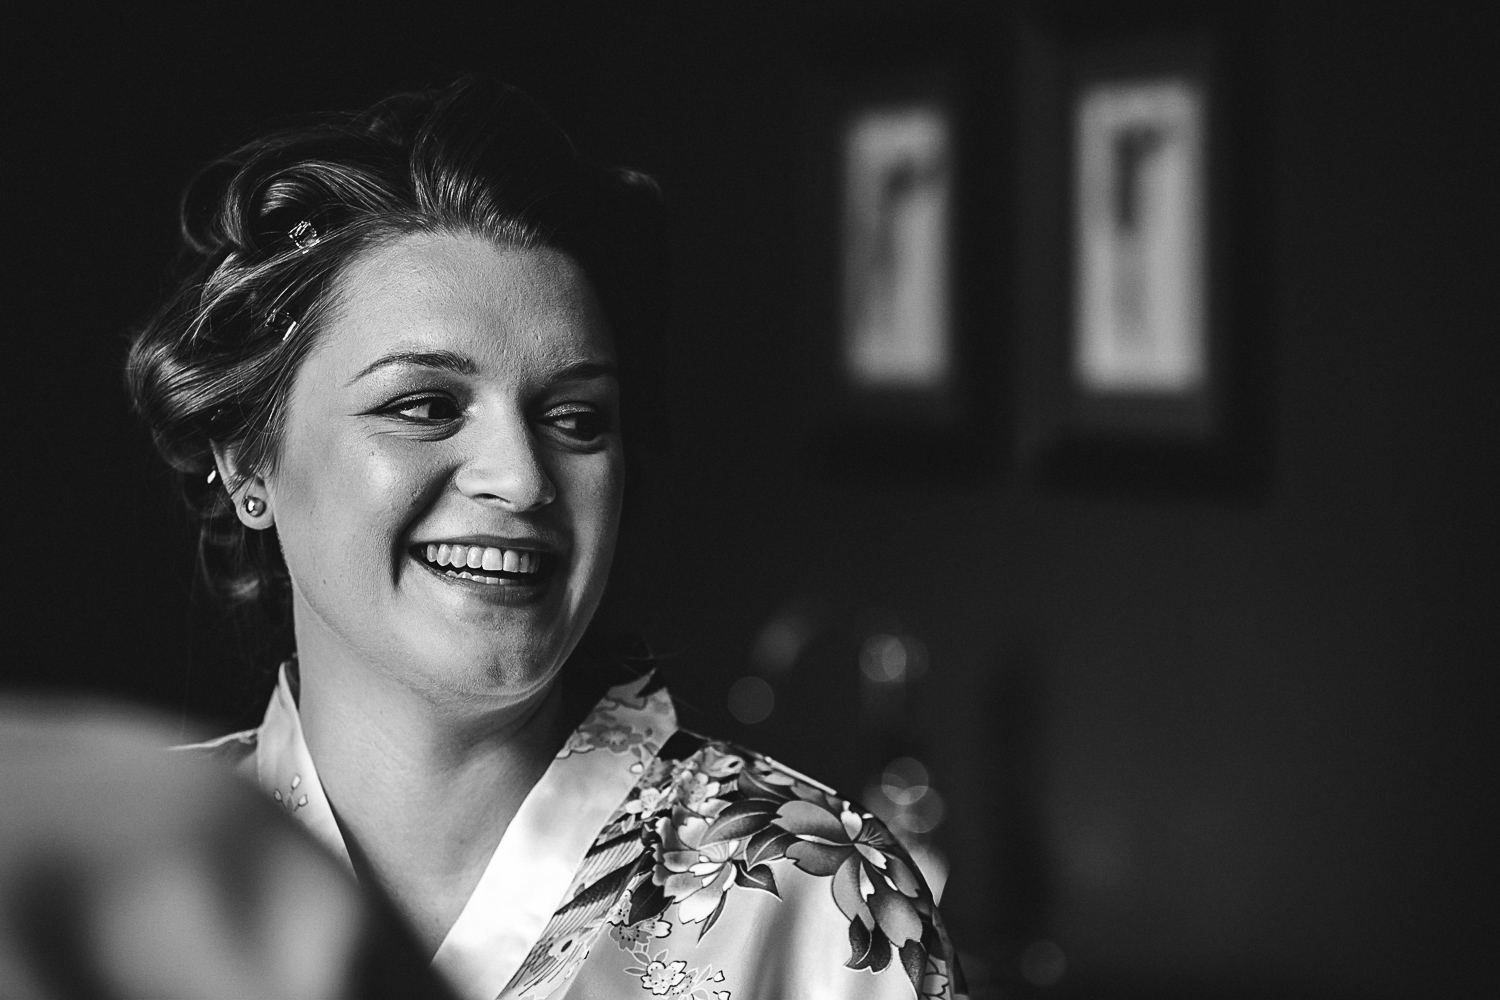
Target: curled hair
{"type": "Point", "coordinates": [267, 230]}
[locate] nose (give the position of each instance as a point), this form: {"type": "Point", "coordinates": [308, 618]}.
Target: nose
{"type": "Point", "coordinates": [505, 468]}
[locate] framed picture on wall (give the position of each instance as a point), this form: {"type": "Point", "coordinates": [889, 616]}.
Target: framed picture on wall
{"type": "Point", "coordinates": [1135, 368]}
{"type": "Point", "coordinates": [892, 307]}
{"type": "Point", "coordinates": [895, 251]}
{"type": "Point", "coordinates": [1141, 340]}
{"type": "Point", "coordinates": [905, 219]}
{"type": "Point", "coordinates": [881, 280]}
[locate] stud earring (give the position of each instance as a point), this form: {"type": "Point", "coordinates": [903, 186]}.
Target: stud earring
{"type": "Point", "coordinates": [255, 506]}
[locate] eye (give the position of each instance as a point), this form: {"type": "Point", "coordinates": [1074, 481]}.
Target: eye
{"type": "Point", "coordinates": [583, 424]}
{"type": "Point", "coordinates": [424, 409]}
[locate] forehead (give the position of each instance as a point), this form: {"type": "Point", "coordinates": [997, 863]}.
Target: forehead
{"type": "Point", "coordinates": [499, 305]}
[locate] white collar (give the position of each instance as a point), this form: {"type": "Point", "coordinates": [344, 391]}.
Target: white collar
{"type": "Point", "coordinates": [541, 849]}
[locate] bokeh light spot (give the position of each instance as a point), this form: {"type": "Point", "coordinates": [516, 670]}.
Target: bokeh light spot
{"type": "Point", "coordinates": [1043, 963]}
{"type": "Point", "coordinates": [883, 659]}
{"type": "Point", "coordinates": [751, 700]}
{"type": "Point", "coordinates": [905, 780]}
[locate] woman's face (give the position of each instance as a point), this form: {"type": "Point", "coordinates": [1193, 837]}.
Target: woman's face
{"type": "Point", "coordinates": [448, 488]}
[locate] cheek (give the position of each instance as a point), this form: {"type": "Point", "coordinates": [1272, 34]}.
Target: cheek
{"type": "Point", "coordinates": [595, 487]}
{"type": "Point", "coordinates": [348, 500]}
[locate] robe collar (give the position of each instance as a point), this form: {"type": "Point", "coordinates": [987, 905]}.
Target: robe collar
{"type": "Point", "coordinates": [540, 851]}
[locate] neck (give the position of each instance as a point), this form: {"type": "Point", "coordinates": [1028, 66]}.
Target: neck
{"type": "Point", "coordinates": [423, 786]}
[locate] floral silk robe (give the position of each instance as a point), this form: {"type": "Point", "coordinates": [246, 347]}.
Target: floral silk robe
{"type": "Point", "coordinates": [648, 861]}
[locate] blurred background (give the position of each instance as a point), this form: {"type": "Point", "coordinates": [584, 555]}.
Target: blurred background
{"type": "Point", "coordinates": [1168, 740]}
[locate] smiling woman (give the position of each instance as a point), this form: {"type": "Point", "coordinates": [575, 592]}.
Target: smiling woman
{"type": "Point", "coordinates": [462, 398]}
{"type": "Point", "coordinates": [396, 378]}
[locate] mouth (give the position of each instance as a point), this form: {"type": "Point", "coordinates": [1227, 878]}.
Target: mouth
{"type": "Point", "coordinates": [485, 565]}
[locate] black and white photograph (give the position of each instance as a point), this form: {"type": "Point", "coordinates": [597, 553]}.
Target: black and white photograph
{"type": "Point", "coordinates": [787, 501]}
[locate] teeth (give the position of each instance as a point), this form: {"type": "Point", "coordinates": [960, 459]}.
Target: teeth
{"type": "Point", "coordinates": [465, 557]}
{"type": "Point", "coordinates": [480, 579]}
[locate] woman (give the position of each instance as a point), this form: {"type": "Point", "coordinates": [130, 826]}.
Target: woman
{"type": "Point", "coordinates": [409, 341]}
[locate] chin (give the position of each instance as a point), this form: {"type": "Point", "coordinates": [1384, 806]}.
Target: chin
{"type": "Point", "coordinates": [506, 671]}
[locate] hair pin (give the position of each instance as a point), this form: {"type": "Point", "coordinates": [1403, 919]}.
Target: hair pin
{"type": "Point", "coordinates": [304, 236]}
{"type": "Point", "coordinates": [275, 319]}
{"type": "Point", "coordinates": [212, 475]}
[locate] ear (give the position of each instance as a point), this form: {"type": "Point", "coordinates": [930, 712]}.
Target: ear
{"type": "Point", "coordinates": [248, 493]}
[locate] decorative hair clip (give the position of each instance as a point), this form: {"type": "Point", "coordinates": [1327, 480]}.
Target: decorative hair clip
{"type": "Point", "coordinates": [275, 320]}
{"type": "Point", "coordinates": [304, 236]}
{"type": "Point", "coordinates": [212, 475]}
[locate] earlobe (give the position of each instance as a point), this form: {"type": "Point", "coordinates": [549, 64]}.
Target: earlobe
{"type": "Point", "coordinates": [248, 494]}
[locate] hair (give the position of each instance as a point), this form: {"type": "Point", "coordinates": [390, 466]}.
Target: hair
{"type": "Point", "coordinates": [213, 366]}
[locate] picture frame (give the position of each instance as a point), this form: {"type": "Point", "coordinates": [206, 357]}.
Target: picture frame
{"type": "Point", "coordinates": [1143, 341]}
{"type": "Point", "coordinates": [902, 307]}
{"type": "Point", "coordinates": [896, 240]}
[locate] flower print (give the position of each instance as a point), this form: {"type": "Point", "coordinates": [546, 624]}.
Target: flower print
{"type": "Point", "coordinates": [291, 799]}
{"type": "Point", "coordinates": [661, 976]}
{"type": "Point", "coordinates": [603, 733]}
{"type": "Point", "coordinates": [675, 978]}
{"type": "Point", "coordinates": [710, 817]}
{"type": "Point", "coordinates": [695, 790]}
{"type": "Point", "coordinates": [630, 936]}
{"type": "Point", "coordinates": [609, 727]}
{"type": "Point", "coordinates": [629, 696]}
{"type": "Point", "coordinates": [717, 763]}
{"type": "Point", "coordinates": [872, 883]}
{"type": "Point", "coordinates": [578, 742]}
{"type": "Point", "coordinates": [618, 738]}
{"type": "Point", "coordinates": [695, 875]}
{"type": "Point", "coordinates": [647, 802]}
{"type": "Point", "coordinates": [934, 982]}
{"type": "Point", "coordinates": [620, 911]}
{"type": "Point", "coordinates": [700, 780]}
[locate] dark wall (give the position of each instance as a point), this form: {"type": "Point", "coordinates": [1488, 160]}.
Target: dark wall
{"type": "Point", "coordinates": [1237, 748]}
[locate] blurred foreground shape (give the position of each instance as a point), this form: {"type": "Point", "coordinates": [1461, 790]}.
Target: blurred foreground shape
{"type": "Point", "coordinates": [128, 870]}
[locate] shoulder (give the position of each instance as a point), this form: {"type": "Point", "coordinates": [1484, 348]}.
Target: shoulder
{"type": "Point", "coordinates": [231, 749]}
{"type": "Point", "coordinates": [741, 839]}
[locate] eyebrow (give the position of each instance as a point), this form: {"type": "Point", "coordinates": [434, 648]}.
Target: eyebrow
{"type": "Point", "coordinates": [462, 364]}
{"type": "Point", "coordinates": [582, 371]}
{"type": "Point", "coordinates": [447, 361]}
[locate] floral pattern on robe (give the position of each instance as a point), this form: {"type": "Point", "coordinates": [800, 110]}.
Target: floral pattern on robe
{"type": "Point", "coordinates": [671, 865]}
